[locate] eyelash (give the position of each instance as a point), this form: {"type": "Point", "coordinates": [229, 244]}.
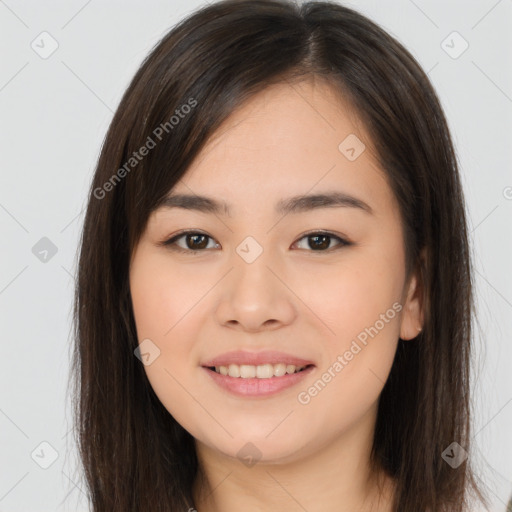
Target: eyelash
{"type": "Point", "coordinates": [171, 242]}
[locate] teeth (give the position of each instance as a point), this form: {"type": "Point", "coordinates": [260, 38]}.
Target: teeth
{"type": "Point", "coordinates": [262, 371]}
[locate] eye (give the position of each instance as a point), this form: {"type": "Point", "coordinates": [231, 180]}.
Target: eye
{"type": "Point", "coordinates": [196, 241]}
{"type": "Point", "coordinates": [319, 241]}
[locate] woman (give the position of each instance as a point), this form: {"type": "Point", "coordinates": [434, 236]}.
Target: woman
{"type": "Point", "coordinates": [274, 299]}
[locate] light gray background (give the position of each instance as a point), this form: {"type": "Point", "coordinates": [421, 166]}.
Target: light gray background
{"type": "Point", "coordinates": [54, 115]}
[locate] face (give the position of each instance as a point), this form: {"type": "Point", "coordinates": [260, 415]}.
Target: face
{"type": "Point", "coordinates": [323, 282]}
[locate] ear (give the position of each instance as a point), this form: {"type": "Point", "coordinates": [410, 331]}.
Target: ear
{"type": "Point", "coordinates": [413, 309]}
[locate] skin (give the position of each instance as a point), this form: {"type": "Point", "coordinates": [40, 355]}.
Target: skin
{"type": "Point", "coordinates": [292, 298]}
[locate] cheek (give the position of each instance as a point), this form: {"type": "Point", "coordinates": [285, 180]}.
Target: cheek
{"type": "Point", "coordinates": [352, 296]}
{"type": "Point", "coordinates": [362, 308]}
{"type": "Point", "coordinates": [166, 302]}
{"type": "Point", "coordinates": [359, 301]}
{"type": "Point", "coordinates": [162, 296]}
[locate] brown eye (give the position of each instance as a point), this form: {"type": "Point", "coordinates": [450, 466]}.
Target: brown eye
{"type": "Point", "coordinates": [194, 242]}
{"type": "Point", "coordinates": [321, 241]}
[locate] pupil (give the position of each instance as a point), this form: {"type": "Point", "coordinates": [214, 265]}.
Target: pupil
{"type": "Point", "coordinates": [322, 246]}
{"type": "Point", "coordinates": [194, 237]}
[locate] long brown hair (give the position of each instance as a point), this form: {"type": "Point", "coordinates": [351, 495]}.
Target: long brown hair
{"type": "Point", "coordinates": [135, 455]}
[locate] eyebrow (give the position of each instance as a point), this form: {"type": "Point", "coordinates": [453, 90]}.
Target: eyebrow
{"type": "Point", "coordinates": [295, 204]}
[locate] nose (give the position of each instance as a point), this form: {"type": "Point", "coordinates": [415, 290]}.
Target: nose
{"type": "Point", "coordinates": [255, 296]}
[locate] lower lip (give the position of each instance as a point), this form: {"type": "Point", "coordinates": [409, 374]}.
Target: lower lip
{"type": "Point", "coordinates": [255, 387]}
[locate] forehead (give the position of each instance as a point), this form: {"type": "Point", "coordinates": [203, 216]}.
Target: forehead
{"type": "Point", "coordinates": [289, 139]}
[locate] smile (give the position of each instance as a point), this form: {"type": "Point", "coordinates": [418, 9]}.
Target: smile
{"type": "Point", "coordinates": [246, 383]}
{"type": "Point", "coordinates": [262, 371]}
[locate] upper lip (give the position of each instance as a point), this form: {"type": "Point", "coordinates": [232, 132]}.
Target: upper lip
{"type": "Point", "coordinates": [256, 358]}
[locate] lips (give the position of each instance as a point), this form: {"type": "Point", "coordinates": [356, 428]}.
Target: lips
{"type": "Point", "coordinates": [242, 357]}
{"type": "Point", "coordinates": [255, 388]}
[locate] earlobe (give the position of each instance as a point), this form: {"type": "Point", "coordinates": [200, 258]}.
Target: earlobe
{"type": "Point", "coordinates": [412, 313]}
